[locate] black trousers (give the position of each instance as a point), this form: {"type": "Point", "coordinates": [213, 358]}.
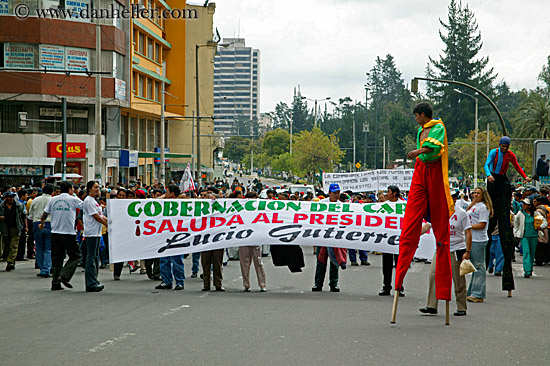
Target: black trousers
{"type": "Point", "coordinates": [62, 245]}
{"type": "Point", "coordinates": [388, 262]}
{"type": "Point", "coordinates": [500, 192]}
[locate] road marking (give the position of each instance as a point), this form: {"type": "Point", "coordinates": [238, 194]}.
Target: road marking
{"type": "Point", "coordinates": [110, 342]}
{"type": "Point", "coordinates": [172, 311]}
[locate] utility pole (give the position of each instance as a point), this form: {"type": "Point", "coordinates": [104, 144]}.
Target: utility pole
{"type": "Point", "coordinates": [98, 164]}
{"type": "Point", "coordinates": [366, 126]}
{"type": "Point", "coordinates": [354, 157]}
{"type": "Point", "coordinates": [64, 139]}
{"type": "Point", "coordinates": [199, 170]}
{"type": "Point", "coordinates": [384, 154]}
{"type": "Point", "coordinates": [193, 152]}
{"type": "Point", "coordinates": [162, 132]}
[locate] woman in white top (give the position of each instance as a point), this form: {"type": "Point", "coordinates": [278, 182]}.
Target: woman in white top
{"type": "Point", "coordinates": [480, 210]}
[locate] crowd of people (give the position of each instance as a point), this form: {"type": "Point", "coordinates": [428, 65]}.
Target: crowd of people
{"type": "Point", "coordinates": [51, 223]}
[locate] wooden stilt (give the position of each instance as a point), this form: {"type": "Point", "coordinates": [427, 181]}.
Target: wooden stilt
{"type": "Point", "coordinates": [509, 293]}
{"type": "Point", "coordinates": [394, 309]}
{"type": "Point", "coordinates": [447, 313]}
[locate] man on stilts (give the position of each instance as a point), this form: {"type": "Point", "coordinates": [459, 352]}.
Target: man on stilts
{"type": "Point", "coordinates": [500, 190]}
{"type": "Point", "coordinates": [429, 198]}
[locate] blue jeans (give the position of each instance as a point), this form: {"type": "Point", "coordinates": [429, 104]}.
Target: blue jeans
{"type": "Point", "coordinates": [43, 241]}
{"type": "Point", "coordinates": [172, 266]}
{"type": "Point", "coordinates": [496, 254]}
{"type": "Point", "coordinates": [196, 259]}
{"type": "Point", "coordinates": [92, 261]}
{"type": "Point", "coordinates": [363, 255]}
{"type": "Point", "coordinates": [477, 283]}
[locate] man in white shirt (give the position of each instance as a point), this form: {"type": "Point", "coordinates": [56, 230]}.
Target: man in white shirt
{"type": "Point", "coordinates": [63, 210]}
{"type": "Point", "coordinates": [42, 238]}
{"type": "Point", "coordinates": [93, 220]}
{"type": "Point", "coordinates": [461, 246]}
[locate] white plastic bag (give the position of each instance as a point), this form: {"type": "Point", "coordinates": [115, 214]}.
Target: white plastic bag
{"type": "Point", "coordinates": [466, 267]}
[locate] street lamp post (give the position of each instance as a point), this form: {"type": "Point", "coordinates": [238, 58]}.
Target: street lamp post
{"type": "Point", "coordinates": [476, 132]}
{"type": "Point", "coordinates": [316, 101]}
{"type": "Point", "coordinates": [208, 44]}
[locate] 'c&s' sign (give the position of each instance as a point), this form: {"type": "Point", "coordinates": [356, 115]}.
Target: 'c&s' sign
{"type": "Point", "coordinates": [74, 150]}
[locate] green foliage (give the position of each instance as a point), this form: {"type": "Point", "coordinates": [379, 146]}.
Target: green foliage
{"type": "Point", "coordinates": [282, 162]}
{"type": "Point", "coordinates": [276, 142]}
{"type": "Point", "coordinates": [462, 151]}
{"type": "Point", "coordinates": [301, 120]}
{"type": "Point", "coordinates": [281, 116]}
{"type": "Point", "coordinates": [544, 78]}
{"type": "Point", "coordinates": [235, 148]}
{"type": "Point", "coordinates": [314, 149]}
{"type": "Point", "coordinates": [533, 120]}
{"type": "Point", "coordinates": [459, 62]}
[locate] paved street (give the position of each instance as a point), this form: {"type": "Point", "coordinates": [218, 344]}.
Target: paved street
{"type": "Point", "coordinates": [131, 323]}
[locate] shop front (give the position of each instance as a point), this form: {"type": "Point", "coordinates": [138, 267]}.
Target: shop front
{"type": "Point", "coordinates": [24, 171]}
{"type": "Point", "coordinates": [76, 157]}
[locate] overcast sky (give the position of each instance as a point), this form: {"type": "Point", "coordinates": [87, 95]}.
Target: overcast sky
{"type": "Point", "coordinates": [327, 46]}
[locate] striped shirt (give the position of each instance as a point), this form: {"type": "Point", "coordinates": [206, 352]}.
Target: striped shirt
{"type": "Point", "coordinates": [497, 163]}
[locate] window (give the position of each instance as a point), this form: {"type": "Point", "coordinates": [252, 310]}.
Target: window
{"type": "Point", "coordinates": [150, 48]}
{"type": "Point", "coordinates": [158, 91]}
{"type": "Point", "coordinates": [9, 118]}
{"type": "Point", "coordinates": [149, 88]}
{"type": "Point", "coordinates": [133, 133]}
{"type": "Point", "coordinates": [157, 53]}
{"type": "Point", "coordinates": [124, 133]}
{"type": "Point", "coordinates": [142, 134]}
{"type": "Point", "coordinates": [141, 43]}
{"type": "Point", "coordinates": [157, 133]}
{"type": "Point", "coordinates": [151, 134]}
{"type": "Point", "coordinates": [136, 40]}
{"type": "Point", "coordinates": [141, 86]}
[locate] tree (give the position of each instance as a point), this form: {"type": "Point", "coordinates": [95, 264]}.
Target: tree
{"type": "Point", "coordinates": [314, 149]}
{"type": "Point", "coordinates": [461, 152]}
{"type": "Point", "coordinates": [533, 120]}
{"type": "Point", "coordinates": [276, 142]}
{"type": "Point", "coordinates": [544, 78]}
{"type": "Point", "coordinates": [459, 62]}
{"type": "Point", "coordinates": [301, 120]}
{"type": "Point", "coordinates": [281, 116]}
{"type": "Point", "coordinates": [235, 148]}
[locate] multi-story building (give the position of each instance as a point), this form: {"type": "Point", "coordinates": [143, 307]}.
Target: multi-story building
{"type": "Point", "coordinates": [142, 54]}
{"type": "Point", "coordinates": [236, 85]}
{"type": "Point", "coordinates": [53, 45]}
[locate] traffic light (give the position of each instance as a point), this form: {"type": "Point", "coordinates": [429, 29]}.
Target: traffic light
{"type": "Point", "coordinates": [414, 85]}
{"type": "Point", "coordinates": [23, 123]}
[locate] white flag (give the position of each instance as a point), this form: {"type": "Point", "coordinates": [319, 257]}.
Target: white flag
{"type": "Point", "coordinates": [187, 184]}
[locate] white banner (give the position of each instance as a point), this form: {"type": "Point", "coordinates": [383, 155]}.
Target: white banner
{"type": "Point", "coordinates": [370, 181]}
{"type": "Point", "coordinates": [141, 229]}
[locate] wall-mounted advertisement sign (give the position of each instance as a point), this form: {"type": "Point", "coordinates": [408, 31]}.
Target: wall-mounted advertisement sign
{"type": "Point", "coordinates": [19, 55]}
{"type": "Point", "coordinates": [52, 57]}
{"type": "Point", "coordinates": [77, 59]}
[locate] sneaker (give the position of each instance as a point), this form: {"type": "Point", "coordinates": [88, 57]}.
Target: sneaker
{"type": "Point", "coordinates": [334, 289]}
{"type": "Point", "coordinates": [490, 270]}
{"type": "Point", "coordinates": [263, 289]}
{"type": "Point", "coordinates": [57, 287]}
{"type": "Point", "coordinates": [317, 288]}
{"type": "Point", "coordinates": [178, 287]}
{"type": "Point", "coordinates": [116, 278]}
{"type": "Point", "coordinates": [498, 274]}
{"type": "Point", "coordinates": [10, 267]}
{"type": "Point", "coordinates": [365, 263]}
{"type": "Point", "coordinates": [402, 292]}
{"type": "Point", "coordinates": [246, 289]}
{"type": "Point", "coordinates": [428, 310]}
{"type": "Point", "coordinates": [386, 291]}
{"type": "Point", "coordinates": [460, 313]}
{"type": "Point", "coordinates": [474, 299]}
{"type": "Point", "coordinates": [95, 289]}
{"type": "Point", "coordinates": [163, 286]}
{"type": "Point", "coordinates": [354, 264]}
{"type": "Point", "coordinates": [194, 275]}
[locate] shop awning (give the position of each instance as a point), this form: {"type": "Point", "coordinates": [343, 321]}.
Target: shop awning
{"type": "Point", "coordinates": [27, 161]}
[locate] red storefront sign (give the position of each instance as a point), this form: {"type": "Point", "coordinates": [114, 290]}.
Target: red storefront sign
{"type": "Point", "coordinates": [74, 150]}
{"type": "Point", "coordinates": [74, 167]}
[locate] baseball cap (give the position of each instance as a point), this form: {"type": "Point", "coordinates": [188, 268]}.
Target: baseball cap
{"type": "Point", "coordinates": [140, 193]}
{"type": "Point", "coordinates": [504, 140]}
{"type": "Point", "coordinates": [334, 187]}
{"type": "Point", "coordinates": [527, 201]}
{"type": "Point", "coordinates": [10, 194]}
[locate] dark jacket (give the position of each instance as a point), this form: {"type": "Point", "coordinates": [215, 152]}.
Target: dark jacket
{"type": "Point", "coordinates": [20, 214]}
